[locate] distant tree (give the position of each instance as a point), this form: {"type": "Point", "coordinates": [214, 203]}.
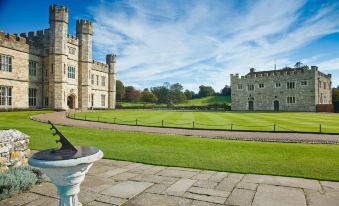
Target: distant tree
{"type": "Point", "coordinates": [162, 94]}
{"type": "Point", "coordinates": [226, 91]}
{"type": "Point", "coordinates": [120, 90]}
{"type": "Point", "coordinates": [131, 94]}
{"type": "Point", "coordinates": [175, 93]}
{"type": "Point", "coordinates": [335, 99]}
{"type": "Point", "coordinates": [147, 96]}
{"type": "Point", "coordinates": [189, 94]}
{"type": "Point", "coordinates": [298, 65]}
{"type": "Point", "coordinates": [205, 91]}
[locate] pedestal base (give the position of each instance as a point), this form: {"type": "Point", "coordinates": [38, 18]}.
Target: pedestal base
{"type": "Point", "coordinates": [67, 175]}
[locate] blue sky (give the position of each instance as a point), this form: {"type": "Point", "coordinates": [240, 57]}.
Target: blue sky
{"type": "Point", "coordinates": [196, 42]}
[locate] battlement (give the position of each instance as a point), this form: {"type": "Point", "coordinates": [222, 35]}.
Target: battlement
{"type": "Point", "coordinates": [58, 13]}
{"type": "Point", "coordinates": [13, 41]}
{"type": "Point", "coordinates": [281, 72]}
{"type": "Point", "coordinates": [72, 39]}
{"type": "Point", "coordinates": [99, 66]}
{"type": "Point", "coordinates": [13, 38]}
{"type": "Point", "coordinates": [111, 58]}
{"type": "Point", "coordinates": [35, 37]}
{"type": "Point", "coordinates": [84, 26]}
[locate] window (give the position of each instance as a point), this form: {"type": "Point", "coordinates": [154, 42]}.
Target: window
{"type": "Point", "coordinates": [46, 101]}
{"type": "Point", "coordinates": [319, 84]}
{"type": "Point", "coordinates": [52, 68]}
{"type": "Point", "coordinates": [32, 68]}
{"type": "Point", "coordinates": [291, 100]}
{"type": "Point", "coordinates": [5, 63]}
{"type": "Point", "coordinates": [97, 79]}
{"type": "Point", "coordinates": [5, 96]}
{"type": "Point", "coordinates": [324, 85]}
{"type": "Point", "coordinates": [71, 72]}
{"type": "Point", "coordinates": [103, 98]}
{"type": "Point", "coordinates": [103, 81]}
{"type": "Point", "coordinates": [261, 85]}
{"type": "Point", "coordinates": [92, 79]}
{"type": "Point", "coordinates": [290, 85]}
{"type": "Point", "coordinates": [239, 86]}
{"type": "Point", "coordinates": [250, 87]}
{"type": "Point", "coordinates": [32, 97]}
{"type": "Point", "coordinates": [303, 82]}
{"type": "Point", "coordinates": [71, 50]}
{"type": "Point", "coordinates": [278, 85]}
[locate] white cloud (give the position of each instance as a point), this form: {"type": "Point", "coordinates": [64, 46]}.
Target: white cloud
{"type": "Point", "coordinates": [203, 42]}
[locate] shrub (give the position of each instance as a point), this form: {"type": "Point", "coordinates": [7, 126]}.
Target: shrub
{"type": "Point", "coordinates": [18, 179]}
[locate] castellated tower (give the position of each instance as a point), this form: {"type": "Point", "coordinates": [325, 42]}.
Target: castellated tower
{"type": "Point", "coordinates": [84, 34]}
{"type": "Point", "coordinates": [110, 61]}
{"type": "Point", "coordinates": [58, 21]}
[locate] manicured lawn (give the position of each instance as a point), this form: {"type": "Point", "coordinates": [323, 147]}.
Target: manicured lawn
{"type": "Point", "coordinates": [207, 100]}
{"type": "Point", "coordinates": [264, 121]}
{"type": "Point", "coordinates": [192, 102]}
{"type": "Point", "coordinates": [300, 160]}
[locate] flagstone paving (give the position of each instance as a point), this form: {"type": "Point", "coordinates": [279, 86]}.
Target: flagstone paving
{"type": "Point", "coordinates": [111, 182]}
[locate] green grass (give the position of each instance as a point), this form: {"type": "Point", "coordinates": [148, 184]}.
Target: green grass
{"type": "Point", "coordinates": [207, 100]}
{"type": "Point", "coordinates": [262, 121]}
{"type": "Point", "coordinates": [192, 102]}
{"type": "Point", "coordinates": [287, 159]}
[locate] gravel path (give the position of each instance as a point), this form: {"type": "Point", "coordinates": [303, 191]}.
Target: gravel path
{"type": "Point", "coordinates": [60, 118]}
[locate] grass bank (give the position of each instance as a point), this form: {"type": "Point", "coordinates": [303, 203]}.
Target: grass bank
{"type": "Point", "coordinates": [287, 159]}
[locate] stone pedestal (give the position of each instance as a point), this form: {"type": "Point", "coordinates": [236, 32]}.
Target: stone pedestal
{"type": "Point", "coordinates": [67, 175]}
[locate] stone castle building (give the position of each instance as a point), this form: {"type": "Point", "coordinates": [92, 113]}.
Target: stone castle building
{"type": "Point", "coordinates": [287, 89]}
{"type": "Point", "coordinates": [52, 69]}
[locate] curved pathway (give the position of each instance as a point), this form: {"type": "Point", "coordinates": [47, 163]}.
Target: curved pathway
{"type": "Point", "coordinates": [60, 119]}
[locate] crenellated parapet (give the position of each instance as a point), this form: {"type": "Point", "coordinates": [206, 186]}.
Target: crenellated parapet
{"type": "Point", "coordinates": [287, 71]}
{"type": "Point", "coordinates": [84, 26]}
{"type": "Point", "coordinates": [36, 38]}
{"type": "Point", "coordinates": [72, 40]}
{"type": "Point", "coordinates": [12, 38]}
{"type": "Point", "coordinates": [58, 13]}
{"type": "Point", "coordinates": [99, 66]}
{"type": "Point", "coordinates": [13, 41]}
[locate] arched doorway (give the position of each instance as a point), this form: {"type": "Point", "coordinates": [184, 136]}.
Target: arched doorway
{"type": "Point", "coordinates": [276, 105]}
{"type": "Point", "coordinates": [71, 101]}
{"type": "Point", "coordinates": [250, 105]}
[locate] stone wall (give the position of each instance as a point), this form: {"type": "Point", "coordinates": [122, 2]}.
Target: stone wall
{"type": "Point", "coordinates": [14, 149]}
{"type": "Point", "coordinates": [269, 90]}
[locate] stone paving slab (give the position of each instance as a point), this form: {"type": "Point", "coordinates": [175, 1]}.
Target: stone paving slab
{"type": "Point", "coordinates": [111, 182]}
{"type": "Point", "coordinates": [270, 195]}
{"type": "Point", "coordinates": [127, 189]}
{"type": "Point", "coordinates": [284, 181]}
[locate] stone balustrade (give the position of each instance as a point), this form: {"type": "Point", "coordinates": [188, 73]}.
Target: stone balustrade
{"type": "Point", "coordinates": [14, 149]}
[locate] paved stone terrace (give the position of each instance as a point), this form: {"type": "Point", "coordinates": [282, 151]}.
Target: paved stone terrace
{"type": "Point", "coordinates": [111, 182]}
{"type": "Point", "coordinates": [60, 118]}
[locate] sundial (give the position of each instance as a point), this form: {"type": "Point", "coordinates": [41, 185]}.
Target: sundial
{"type": "Point", "coordinates": [66, 166]}
{"type": "Point", "coordinates": [66, 151]}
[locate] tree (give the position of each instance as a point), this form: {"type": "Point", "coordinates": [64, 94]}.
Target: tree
{"type": "Point", "coordinates": [226, 91]}
{"type": "Point", "coordinates": [298, 65]}
{"type": "Point", "coordinates": [162, 94]}
{"type": "Point", "coordinates": [189, 94]}
{"type": "Point", "coordinates": [131, 94]}
{"type": "Point", "coordinates": [147, 96]}
{"type": "Point", "coordinates": [120, 90]}
{"type": "Point", "coordinates": [175, 94]}
{"type": "Point", "coordinates": [205, 91]}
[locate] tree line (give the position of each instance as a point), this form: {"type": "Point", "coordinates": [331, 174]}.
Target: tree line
{"type": "Point", "coordinates": [165, 94]}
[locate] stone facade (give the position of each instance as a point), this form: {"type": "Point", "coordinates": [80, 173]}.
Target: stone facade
{"type": "Point", "coordinates": [287, 89]}
{"type": "Point", "coordinates": [14, 149]}
{"type": "Point", "coordinates": [52, 69]}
